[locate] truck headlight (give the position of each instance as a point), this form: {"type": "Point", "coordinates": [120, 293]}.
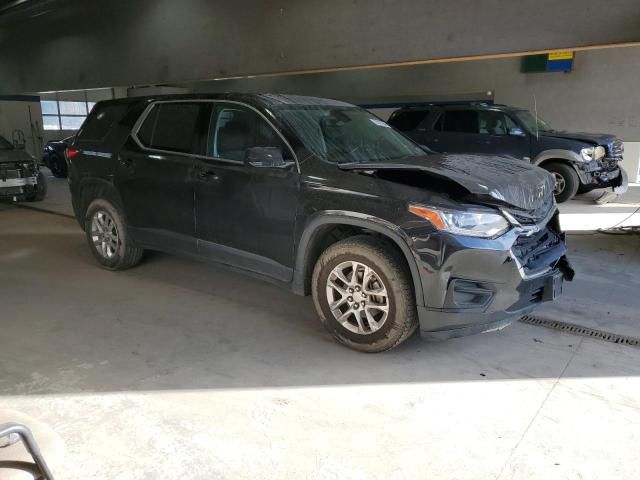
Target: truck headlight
{"type": "Point", "coordinates": [592, 153]}
{"type": "Point", "coordinates": [471, 223]}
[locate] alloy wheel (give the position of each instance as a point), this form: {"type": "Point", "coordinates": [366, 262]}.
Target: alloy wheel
{"type": "Point", "coordinates": [104, 234]}
{"type": "Point", "coordinates": [560, 183]}
{"type": "Point", "coordinates": [357, 297]}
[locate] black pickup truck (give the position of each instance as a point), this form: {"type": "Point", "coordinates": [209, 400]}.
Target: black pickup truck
{"type": "Point", "coordinates": [579, 162]}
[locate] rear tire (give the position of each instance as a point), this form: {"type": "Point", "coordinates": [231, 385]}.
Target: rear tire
{"type": "Point", "coordinates": [363, 294]}
{"type": "Point", "coordinates": [57, 166]}
{"type": "Point", "coordinates": [108, 237]}
{"type": "Point", "coordinates": [566, 180]}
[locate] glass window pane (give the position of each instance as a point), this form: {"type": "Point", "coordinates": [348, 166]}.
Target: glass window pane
{"type": "Point", "coordinates": [50, 122]}
{"type": "Point", "coordinates": [71, 123]}
{"type": "Point", "coordinates": [175, 127]}
{"type": "Point", "coordinates": [102, 119]}
{"type": "Point", "coordinates": [463, 121]}
{"type": "Point", "coordinates": [49, 107]}
{"type": "Point", "coordinates": [90, 106]}
{"type": "Point", "coordinates": [409, 120]}
{"type": "Point", "coordinates": [73, 108]}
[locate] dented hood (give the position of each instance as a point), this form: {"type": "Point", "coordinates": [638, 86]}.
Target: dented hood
{"type": "Point", "coordinates": [505, 180]}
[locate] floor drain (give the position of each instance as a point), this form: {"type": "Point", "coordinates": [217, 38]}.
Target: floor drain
{"type": "Point", "coordinates": [580, 330]}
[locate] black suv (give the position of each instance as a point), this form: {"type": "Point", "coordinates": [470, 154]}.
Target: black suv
{"type": "Point", "coordinates": [579, 162]}
{"type": "Point", "coordinates": [327, 199]}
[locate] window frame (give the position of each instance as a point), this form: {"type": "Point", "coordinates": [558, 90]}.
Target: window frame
{"type": "Point", "coordinates": [220, 105]}
{"type": "Point", "coordinates": [213, 102]}
{"type": "Point", "coordinates": [58, 116]}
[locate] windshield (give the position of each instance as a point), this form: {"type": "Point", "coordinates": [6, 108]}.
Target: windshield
{"type": "Point", "coordinates": [5, 144]}
{"type": "Point", "coordinates": [529, 122]}
{"type": "Point", "coordinates": [347, 134]}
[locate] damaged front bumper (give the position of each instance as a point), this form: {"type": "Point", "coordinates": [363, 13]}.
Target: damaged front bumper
{"type": "Point", "coordinates": [473, 285]}
{"type": "Point", "coordinates": [605, 173]}
{"type": "Point", "coordinates": [16, 187]}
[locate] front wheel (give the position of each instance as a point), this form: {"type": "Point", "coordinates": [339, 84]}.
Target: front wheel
{"type": "Point", "coordinates": [39, 190]}
{"type": "Point", "coordinates": [363, 295]}
{"type": "Point", "coordinates": [566, 180]}
{"type": "Point", "coordinates": [57, 166]}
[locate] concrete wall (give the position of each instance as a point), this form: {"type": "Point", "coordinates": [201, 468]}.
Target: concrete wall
{"type": "Point", "coordinates": [25, 117]}
{"type": "Point", "coordinates": [74, 44]}
{"type": "Point", "coordinates": [599, 95]}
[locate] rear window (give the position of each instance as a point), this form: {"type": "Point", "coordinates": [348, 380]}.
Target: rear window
{"type": "Point", "coordinates": [462, 121]}
{"type": "Point", "coordinates": [170, 126]}
{"type": "Point", "coordinates": [102, 119]}
{"type": "Point", "coordinates": [408, 120]}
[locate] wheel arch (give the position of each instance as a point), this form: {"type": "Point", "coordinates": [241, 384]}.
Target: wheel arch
{"type": "Point", "coordinates": [313, 242]}
{"type": "Point", "coordinates": [88, 190]}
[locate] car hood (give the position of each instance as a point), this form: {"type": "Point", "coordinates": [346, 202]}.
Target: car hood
{"type": "Point", "coordinates": [592, 138]}
{"type": "Point", "coordinates": [491, 178]}
{"type": "Point", "coordinates": [10, 156]}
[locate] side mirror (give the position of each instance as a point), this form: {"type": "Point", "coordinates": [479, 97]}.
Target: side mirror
{"type": "Point", "coordinates": [516, 132]}
{"type": "Point", "coordinates": [265, 157]}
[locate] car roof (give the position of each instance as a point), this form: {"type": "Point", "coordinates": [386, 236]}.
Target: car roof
{"type": "Point", "coordinates": [460, 106]}
{"type": "Point", "coordinates": [272, 100]}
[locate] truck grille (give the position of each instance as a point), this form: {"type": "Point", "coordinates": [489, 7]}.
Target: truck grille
{"type": "Point", "coordinates": [6, 173]}
{"type": "Point", "coordinates": [616, 149]}
{"type": "Point", "coordinates": [536, 251]}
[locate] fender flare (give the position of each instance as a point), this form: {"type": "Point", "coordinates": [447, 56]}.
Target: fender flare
{"type": "Point", "coordinates": [339, 217]}
{"type": "Point", "coordinates": [80, 203]}
{"type": "Point", "coordinates": [558, 154]}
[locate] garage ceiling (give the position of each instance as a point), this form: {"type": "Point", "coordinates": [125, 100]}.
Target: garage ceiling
{"type": "Point", "coordinates": [71, 44]}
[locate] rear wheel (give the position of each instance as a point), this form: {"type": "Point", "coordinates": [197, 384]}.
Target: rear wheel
{"type": "Point", "coordinates": [363, 295]}
{"type": "Point", "coordinates": [57, 166]}
{"type": "Point", "coordinates": [108, 238]}
{"type": "Point", "coordinates": [566, 180]}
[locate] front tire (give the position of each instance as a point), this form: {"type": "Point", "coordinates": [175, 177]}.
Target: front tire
{"type": "Point", "coordinates": [108, 238]}
{"type": "Point", "coordinates": [57, 166]}
{"type": "Point", "coordinates": [363, 295]}
{"type": "Point", "coordinates": [39, 190]}
{"type": "Point", "coordinates": [566, 180]}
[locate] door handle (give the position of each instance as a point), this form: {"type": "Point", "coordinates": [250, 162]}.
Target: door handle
{"type": "Point", "coordinates": [206, 175]}
{"type": "Point", "coordinates": [126, 161]}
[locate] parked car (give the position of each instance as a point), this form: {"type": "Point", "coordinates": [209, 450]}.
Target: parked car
{"type": "Point", "coordinates": [326, 199]}
{"type": "Point", "coordinates": [20, 175]}
{"type": "Point", "coordinates": [579, 162]}
{"type": "Point", "coordinates": [53, 156]}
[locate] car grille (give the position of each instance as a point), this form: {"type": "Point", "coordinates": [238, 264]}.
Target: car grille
{"type": "Point", "coordinates": [6, 173]}
{"type": "Point", "coordinates": [532, 251]}
{"type": "Point", "coordinates": [616, 149]}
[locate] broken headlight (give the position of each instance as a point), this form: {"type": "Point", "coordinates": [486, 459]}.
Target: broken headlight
{"type": "Point", "coordinates": [482, 224]}
{"type": "Point", "coordinates": [592, 153]}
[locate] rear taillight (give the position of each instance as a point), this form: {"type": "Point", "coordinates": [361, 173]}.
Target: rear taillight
{"type": "Point", "coordinates": [71, 152]}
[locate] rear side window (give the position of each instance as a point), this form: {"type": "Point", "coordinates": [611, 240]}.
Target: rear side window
{"type": "Point", "coordinates": [171, 126]}
{"type": "Point", "coordinates": [101, 120]}
{"type": "Point", "coordinates": [461, 121]}
{"type": "Point", "coordinates": [408, 120]}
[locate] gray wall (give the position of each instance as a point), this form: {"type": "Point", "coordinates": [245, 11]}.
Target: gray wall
{"type": "Point", "coordinates": [75, 44]}
{"type": "Point", "coordinates": [600, 94]}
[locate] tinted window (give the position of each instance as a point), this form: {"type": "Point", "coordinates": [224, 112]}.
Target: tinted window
{"type": "Point", "coordinates": [463, 121]}
{"type": "Point", "coordinates": [408, 120]}
{"type": "Point", "coordinates": [493, 122]}
{"type": "Point", "coordinates": [234, 129]}
{"type": "Point", "coordinates": [101, 120]}
{"type": "Point", "coordinates": [171, 127]}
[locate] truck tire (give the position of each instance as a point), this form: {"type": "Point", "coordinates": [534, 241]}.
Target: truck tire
{"type": "Point", "coordinates": [363, 294]}
{"type": "Point", "coordinates": [108, 237]}
{"type": "Point", "coordinates": [566, 178]}
{"type": "Point", "coordinates": [39, 191]}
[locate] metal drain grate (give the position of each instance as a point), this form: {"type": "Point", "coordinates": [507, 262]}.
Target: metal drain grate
{"type": "Point", "coordinates": [580, 330]}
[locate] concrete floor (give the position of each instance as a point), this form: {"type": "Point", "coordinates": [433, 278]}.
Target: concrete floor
{"type": "Point", "coordinates": [177, 369]}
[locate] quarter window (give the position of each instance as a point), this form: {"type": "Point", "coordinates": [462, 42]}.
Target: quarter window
{"type": "Point", "coordinates": [171, 126]}
{"type": "Point", "coordinates": [234, 129]}
{"type": "Point", "coordinates": [408, 120]}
